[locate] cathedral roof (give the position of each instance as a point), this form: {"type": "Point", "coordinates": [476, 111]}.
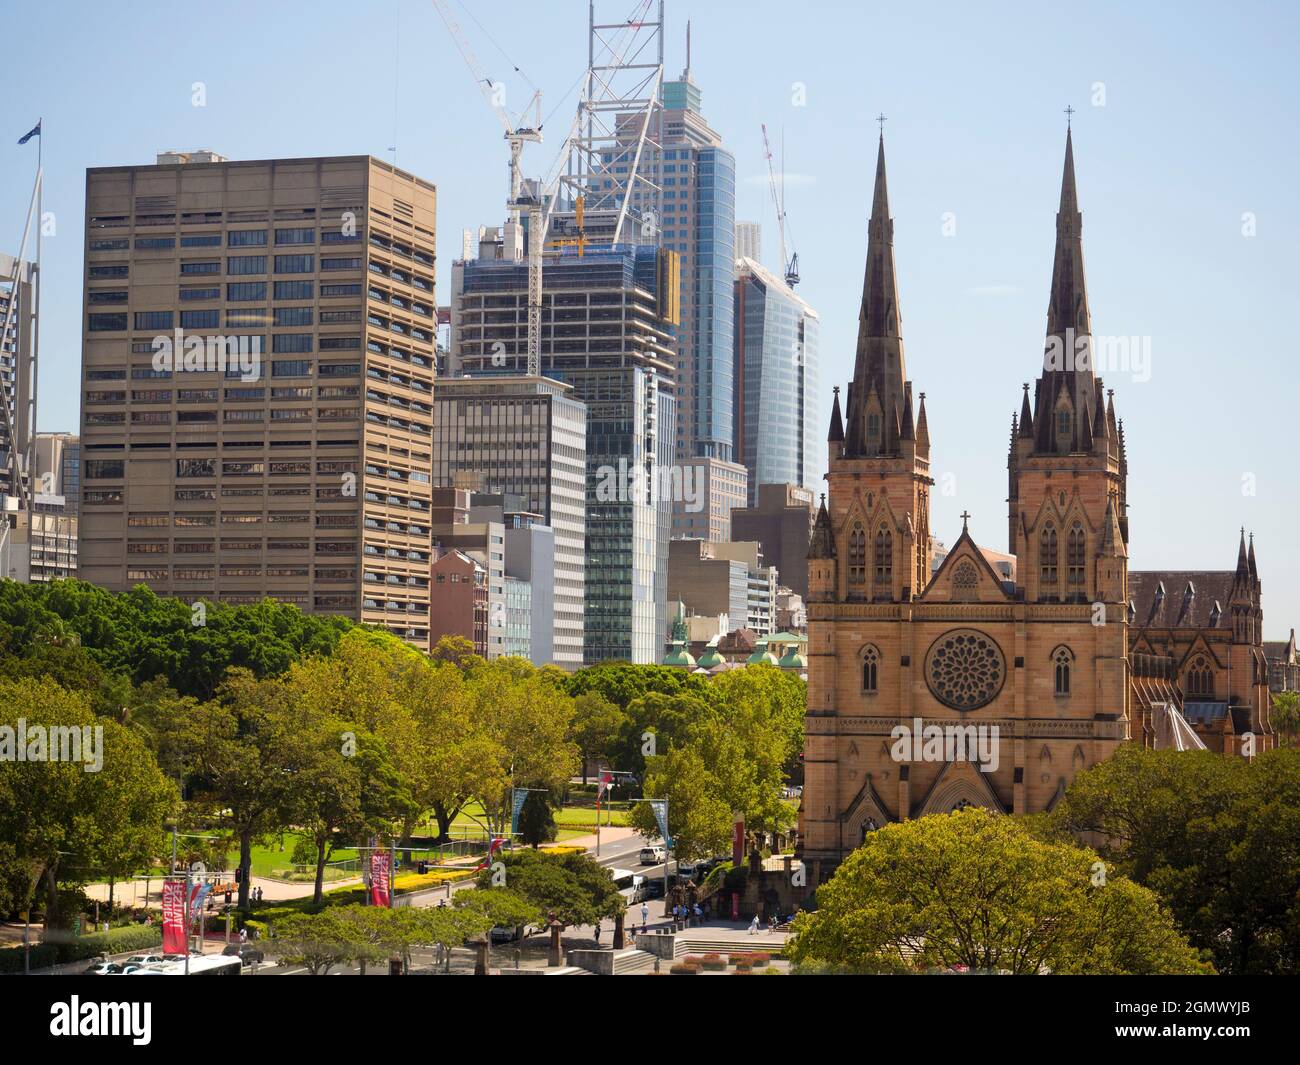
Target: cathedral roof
{"type": "Point", "coordinates": [1161, 598]}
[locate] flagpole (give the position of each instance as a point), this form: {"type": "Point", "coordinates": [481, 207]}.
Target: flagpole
{"type": "Point", "coordinates": [34, 364]}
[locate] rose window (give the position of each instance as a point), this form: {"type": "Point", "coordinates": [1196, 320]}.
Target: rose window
{"type": "Point", "coordinates": [965, 669]}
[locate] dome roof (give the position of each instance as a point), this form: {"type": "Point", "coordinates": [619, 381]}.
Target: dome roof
{"type": "Point", "coordinates": [679, 656]}
{"type": "Point", "coordinates": [762, 656]}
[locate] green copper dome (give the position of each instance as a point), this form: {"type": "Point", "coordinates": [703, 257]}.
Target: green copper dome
{"type": "Point", "coordinates": [763, 656]}
{"type": "Point", "coordinates": [711, 659]}
{"type": "Point", "coordinates": [792, 659]}
{"type": "Point", "coordinates": [679, 656]}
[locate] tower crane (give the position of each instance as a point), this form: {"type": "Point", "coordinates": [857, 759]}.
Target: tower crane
{"type": "Point", "coordinates": [789, 266]}
{"type": "Point", "coordinates": [517, 134]}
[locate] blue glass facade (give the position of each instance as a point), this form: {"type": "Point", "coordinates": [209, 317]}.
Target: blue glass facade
{"type": "Point", "coordinates": [777, 360]}
{"type": "Point", "coordinates": [713, 302]}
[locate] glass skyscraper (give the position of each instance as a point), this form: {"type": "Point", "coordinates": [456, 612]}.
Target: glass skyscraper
{"type": "Point", "coordinates": [776, 347]}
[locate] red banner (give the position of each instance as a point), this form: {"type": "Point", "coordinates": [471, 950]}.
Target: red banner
{"type": "Point", "coordinates": [173, 911]}
{"type": "Point", "coordinates": [738, 841]}
{"type": "Point", "coordinates": [380, 879]}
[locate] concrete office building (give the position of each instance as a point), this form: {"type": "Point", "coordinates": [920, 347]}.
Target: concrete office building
{"type": "Point", "coordinates": [749, 241]}
{"type": "Point", "coordinates": [288, 439]}
{"type": "Point", "coordinates": [781, 521]}
{"type": "Point", "coordinates": [729, 579]}
{"type": "Point", "coordinates": [776, 382]}
{"type": "Point", "coordinates": [606, 320]}
{"type": "Point", "coordinates": [525, 439]}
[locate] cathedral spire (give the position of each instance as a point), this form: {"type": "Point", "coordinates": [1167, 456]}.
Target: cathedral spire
{"type": "Point", "coordinates": [879, 365]}
{"type": "Point", "coordinates": [1067, 354]}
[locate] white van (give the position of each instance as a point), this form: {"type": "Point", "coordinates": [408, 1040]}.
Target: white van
{"type": "Point", "coordinates": [653, 854]}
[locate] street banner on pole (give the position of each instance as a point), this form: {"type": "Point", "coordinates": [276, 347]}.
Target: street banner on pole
{"type": "Point", "coordinates": [198, 895]}
{"type": "Point", "coordinates": [518, 797]}
{"type": "Point", "coordinates": [660, 808]}
{"type": "Point", "coordinates": [380, 879]}
{"type": "Point", "coordinates": [173, 911]}
{"type": "Point", "coordinates": [738, 841]}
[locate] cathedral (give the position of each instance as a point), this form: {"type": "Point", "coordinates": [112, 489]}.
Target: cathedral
{"type": "Point", "coordinates": [984, 681]}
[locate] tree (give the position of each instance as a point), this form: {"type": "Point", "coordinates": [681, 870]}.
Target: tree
{"type": "Point", "coordinates": [1286, 715]}
{"type": "Point", "coordinates": [974, 889]}
{"type": "Point", "coordinates": [317, 940]}
{"type": "Point", "coordinates": [63, 819]}
{"type": "Point", "coordinates": [596, 725]}
{"type": "Point", "coordinates": [1217, 838]}
{"type": "Point", "coordinates": [572, 886]}
{"type": "Point", "coordinates": [537, 819]}
{"type": "Point", "coordinates": [699, 820]}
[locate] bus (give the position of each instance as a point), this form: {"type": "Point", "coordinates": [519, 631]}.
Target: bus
{"type": "Point", "coordinates": [200, 965]}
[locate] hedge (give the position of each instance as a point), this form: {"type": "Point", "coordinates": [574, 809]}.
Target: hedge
{"type": "Point", "coordinates": [121, 940]}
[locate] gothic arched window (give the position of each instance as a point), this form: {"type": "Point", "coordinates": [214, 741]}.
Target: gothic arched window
{"type": "Point", "coordinates": [1200, 679]}
{"type": "Point", "coordinates": [857, 554]}
{"type": "Point", "coordinates": [1047, 559]}
{"type": "Point", "coordinates": [1062, 660]}
{"type": "Point", "coordinates": [1076, 557]}
{"type": "Point", "coordinates": [870, 670]}
{"type": "Point", "coordinates": [884, 568]}
{"type": "Point", "coordinates": [965, 582]}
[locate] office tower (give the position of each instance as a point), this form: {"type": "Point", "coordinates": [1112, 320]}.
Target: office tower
{"type": "Point", "coordinates": [776, 381]}
{"type": "Point", "coordinates": [17, 296]}
{"type": "Point", "coordinates": [606, 319]}
{"type": "Point", "coordinates": [698, 204]}
{"type": "Point", "coordinates": [53, 527]}
{"type": "Point", "coordinates": [525, 438]}
{"type": "Point", "coordinates": [749, 241]}
{"type": "Point", "coordinates": [709, 492]}
{"type": "Point", "coordinates": [715, 578]}
{"type": "Point", "coordinates": [532, 582]}
{"type": "Point", "coordinates": [781, 521]}
{"type": "Point", "coordinates": [257, 368]}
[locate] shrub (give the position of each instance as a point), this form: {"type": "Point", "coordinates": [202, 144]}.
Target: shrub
{"type": "Point", "coordinates": [43, 956]}
{"type": "Point", "coordinates": [713, 962]}
{"type": "Point", "coordinates": [760, 959]}
{"type": "Point", "coordinates": [685, 968]}
{"type": "Point", "coordinates": [740, 959]}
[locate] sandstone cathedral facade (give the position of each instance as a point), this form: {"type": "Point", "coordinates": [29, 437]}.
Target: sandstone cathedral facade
{"type": "Point", "coordinates": [935, 688]}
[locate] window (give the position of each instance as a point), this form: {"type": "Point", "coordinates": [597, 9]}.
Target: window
{"type": "Point", "coordinates": [200, 319]}
{"type": "Point", "coordinates": [291, 343]}
{"type": "Point", "coordinates": [192, 294]}
{"type": "Point", "coordinates": [291, 368]}
{"type": "Point", "coordinates": [965, 582]}
{"type": "Point", "coordinates": [108, 323]}
{"type": "Point", "coordinates": [857, 554]}
{"type": "Point", "coordinates": [870, 670]}
{"type": "Point", "coordinates": [201, 240]}
{"type": "Point", "coordinates": [196, 467]}
{"type": "Point", "coordinates": [153, 319]}
{"type": "Point", "coordinates": [1047, 559]}
{"type": "Point", "coordinates": [190, 269]}
{"type": "Point", "coordinates": [1075, 558]}
{"type": "Point", "coordinates": [246, 264]}
{"type": "Point", "coordinates": [341, 264]}
{"type": "Point", "coordinates": [295, 236]}
{"type": "Point", "coordinates": [246, 238]}
{"type": "Point", "coordinates": [246, 290]}
{"type": "Point", "coordinates": [295, 264]}
{"type": "Point", "coordinates": [154, 243]}
{"type": "Point", "coordinates": [102, 469]}
{"type": "Point", "coordinates": [116, 270]}
{"type": "Point", "coordinates": [1200, 679]}
{"type": "Point", "coordinates": [294, 290]}
{"type": "Point", "coordinates": [1062, 658]}
{"type": "Point", "coordinates": [884, 560]}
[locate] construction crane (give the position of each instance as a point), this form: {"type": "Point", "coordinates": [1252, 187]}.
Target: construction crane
{"type": "Point", "coordinates": [789, 266]}
{"type": "Point", "coordinates": [517, 134]}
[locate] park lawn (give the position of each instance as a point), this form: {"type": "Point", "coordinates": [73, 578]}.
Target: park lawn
{"type": "Point", "coordinates": [267, 859]}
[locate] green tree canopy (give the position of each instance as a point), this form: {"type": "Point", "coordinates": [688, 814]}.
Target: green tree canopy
{"type": "Point", "coordinates": [976, 889]}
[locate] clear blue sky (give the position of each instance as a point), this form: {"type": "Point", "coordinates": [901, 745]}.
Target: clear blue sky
{"type": "Point", "coordinates": [1198, 127]}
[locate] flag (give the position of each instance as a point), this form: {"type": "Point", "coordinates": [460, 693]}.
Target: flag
{"type": "Point", "coordinates": [605, 780]}
{"type": "Point", "coordinates": [35, 131]}
{"type": "Point", "coordinates": [380, 879]}
{"type": "Point", "coordinates": [518, 797]}
{"type": "Point", "coordinates": [173, 909]}
{"type": "Point", "coordinates": [495, 845]}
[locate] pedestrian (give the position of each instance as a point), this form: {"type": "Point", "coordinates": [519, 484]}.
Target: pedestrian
{"type": "Point", "coordinates": [753, 926]}
{"type": "Point", "coordinates": [645, 915]}
{"type": "Point", "coordinates": [243, 936]}
{"type": "Point", "coordinates": [699, 914]}
{"type": "Point", "coordinates": [597, 926]}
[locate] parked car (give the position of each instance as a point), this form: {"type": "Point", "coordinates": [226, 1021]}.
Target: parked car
{"type": "Point", "coordinates": [653, 855]}
{"type": "Point", "coordinates": [145, 959]}
{"type": "Point", "coordinates": [687, 870]}
{"type": "Point", "coordinates": [505, 933]}
{"type": "Point", "coordinates": [245, 952]}
{"type": "Point", "coordinates": [104, 968]}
